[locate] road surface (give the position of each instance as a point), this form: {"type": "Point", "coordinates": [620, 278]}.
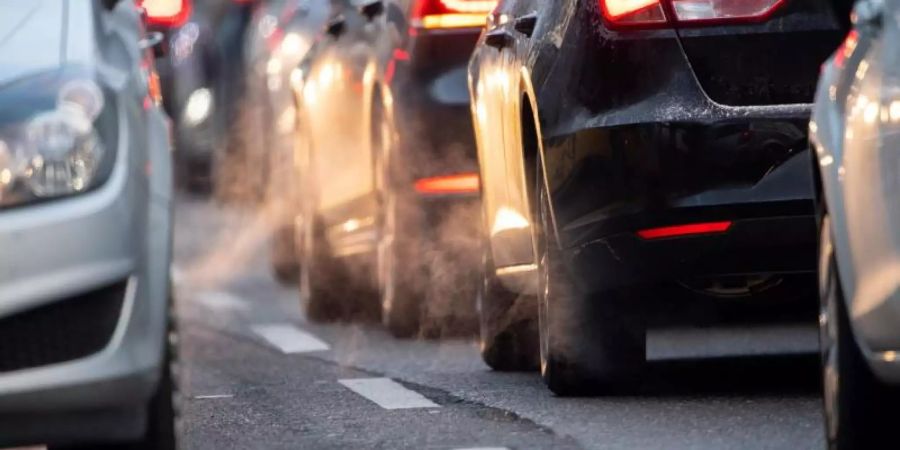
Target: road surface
{"type": "Point", "coordinates": [257, 374]}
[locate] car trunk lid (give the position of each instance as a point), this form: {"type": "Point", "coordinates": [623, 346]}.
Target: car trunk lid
{"type": "Point", "coordinates": [770, 60]}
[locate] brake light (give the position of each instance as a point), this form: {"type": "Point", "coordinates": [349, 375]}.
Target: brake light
{"type": "Point", "coordinates": [684, 230]}
{"type": "Point", "coordinates": [464, 183]}
{"type": "Point", "coordinates": [688, 12]}
{"type": "Point", "coordinates": [167, 13]}
{"type": "Point", "coordinates": [442, 14]}
{"type": "Point", "coordinates": [633, 12]}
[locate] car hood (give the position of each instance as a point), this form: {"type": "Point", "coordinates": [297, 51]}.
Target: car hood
{"type": "Point", "coordinates": [31, 37]}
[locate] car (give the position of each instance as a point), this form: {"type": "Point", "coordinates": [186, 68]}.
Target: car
{"type": "Point", "coordinates": [187, 69]}
{"type": "Point", "coordinates": [855, 131]}
{"type": "Point", "coordinates": [642, 163]}
{"type": "Point", "coordinates": [86, 337]}
{"type": "Point", "coordinates": [387, 165]}
{"type": "Point", "coordinates": [200, 68]}
{"type": "Point", "coordinates": [282, 32]}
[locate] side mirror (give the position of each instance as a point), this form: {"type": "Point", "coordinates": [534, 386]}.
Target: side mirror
{"type": "Point", "coordinates": [372, 9]}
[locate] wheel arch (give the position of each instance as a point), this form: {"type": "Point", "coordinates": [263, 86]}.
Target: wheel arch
{"type": "Point", "coordinates": [533, 155]}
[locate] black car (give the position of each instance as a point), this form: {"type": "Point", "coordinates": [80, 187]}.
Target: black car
{"type": "Point", "coordinates": [387, 162]}
{"type": "Point", "coordinates": [643, 162]}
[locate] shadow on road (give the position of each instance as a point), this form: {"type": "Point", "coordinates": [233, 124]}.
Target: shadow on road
{"type": "Point", "coordinates": [733, 376]}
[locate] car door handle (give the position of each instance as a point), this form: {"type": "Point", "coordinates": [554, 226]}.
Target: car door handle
{"type": "Point", "coordinates": [372, 9]}
{"type": "Point", "coordinates": [499, 39]}
{"type": "Point", "coordinates": [336, 26]}
{"type": "Point", "coordinates": [526, 24]}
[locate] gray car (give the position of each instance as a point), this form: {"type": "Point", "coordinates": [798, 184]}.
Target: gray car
{"type": "Point", "coordinates": [856, 133]}
{"type": "Point", "coordinates": [85, 228]}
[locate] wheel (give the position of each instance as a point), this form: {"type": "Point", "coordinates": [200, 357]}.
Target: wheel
{"type": "Point", "coordinates": [508, 323]}
{"type": "Point", "coordinates": [163, 411]}
{"type": "Point", "coordinates": [589, 343]}
{"type": "Point", "coordinates": [400, 272]}
{"type": "Point", "coordinates": [323, 283]}
{"type": "Point", "coordinates": [860, 410]}
{"type": "Point", "coordinates": [284, 255]}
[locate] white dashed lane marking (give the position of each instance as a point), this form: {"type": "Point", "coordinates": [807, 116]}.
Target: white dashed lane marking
{"type": "Point", "coordinates": [387, 393]}
{"type": "Point", "coordinates": [213, 397]}
{"type": "Point", "coordinates": [220, 300]}
{"type": "Point", "coordinates": [483, 448]}
{"type": "Point", "coordinates": [290, 339]}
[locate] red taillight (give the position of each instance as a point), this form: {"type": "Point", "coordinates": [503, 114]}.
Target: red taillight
{"type": "Point", "coordinates": [464, 183]}
{"type": "Point", "coordinates": [684, 230]}
{"type": "Point", "coordinates": [167, 13]}
{"type": "Point", "coordinates": [688, 12]}
{"type": "Point", "coordinates": [437, 14]}
{"type": "Point", "coordinates": [633, 12]}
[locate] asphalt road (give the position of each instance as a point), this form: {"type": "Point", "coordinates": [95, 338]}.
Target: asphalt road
{"type": "Point", "coordinates": [258, 375]}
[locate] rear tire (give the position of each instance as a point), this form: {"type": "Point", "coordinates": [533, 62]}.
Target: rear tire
{"type": "Point", "coordinates": [860, 410]}
{"type": "Point", "coordinates": [163, 411]}
{"type": "Point", "coordinates": [400, 273]}
{"type": "Point", "coordinates": [399, 270]}
{"type": "Point", "coordinates": [589, 343]}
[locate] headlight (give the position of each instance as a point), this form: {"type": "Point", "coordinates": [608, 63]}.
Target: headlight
{"type": "Point", "coordinates": [198, 107]}
{"type": "Point", "coordinates": [57, 137]}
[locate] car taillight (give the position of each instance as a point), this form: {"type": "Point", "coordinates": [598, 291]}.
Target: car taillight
{"type": "Point", "coordinates": [463, 183]}
{"type": "Point", "coordinates": [688, 12]}
{"type": "Point", "coordinates": [633, 12]}
{"type": "Point", "coordinates": [692, 229]}
{"type": "Point", "coordinates": [438, 14]}
{"type": "Point", "coordinates": [167, 13]}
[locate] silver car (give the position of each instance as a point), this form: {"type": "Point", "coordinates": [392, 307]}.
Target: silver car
{"type": "Point", "coordinates": [856, 133]}
{"type": "Point", "coordinates": [85, 228]}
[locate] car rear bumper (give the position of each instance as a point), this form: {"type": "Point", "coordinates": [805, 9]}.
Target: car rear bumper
{"type": "Point", "coordinates": [755, 174]}
{"type": "Point", "coordinates": [97, 260]}
{"type": "Point", "coordinates": [753, 246]}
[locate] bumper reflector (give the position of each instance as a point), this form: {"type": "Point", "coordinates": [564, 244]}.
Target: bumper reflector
{"type": "Point", "coordinates": [463, 183]}
{"type": "Point", "coordinates": [685, 230]}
